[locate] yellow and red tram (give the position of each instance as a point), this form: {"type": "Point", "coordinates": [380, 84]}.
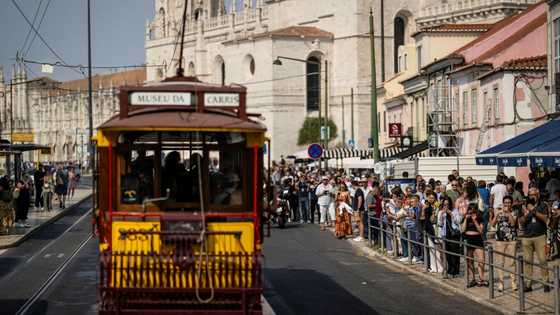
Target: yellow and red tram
{"type": "Point", "coordinates": [179, 201]}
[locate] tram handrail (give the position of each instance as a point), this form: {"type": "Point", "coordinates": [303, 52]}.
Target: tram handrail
{"type": "Point", "coordinates": [147, 201]}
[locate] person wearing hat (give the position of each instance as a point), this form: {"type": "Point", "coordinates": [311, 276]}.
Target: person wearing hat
{"type": "Point", "coordinates": [323, 192]}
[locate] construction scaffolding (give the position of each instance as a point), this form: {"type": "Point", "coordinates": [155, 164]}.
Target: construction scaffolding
{"type": "Point", "coordinates": [442, 119]}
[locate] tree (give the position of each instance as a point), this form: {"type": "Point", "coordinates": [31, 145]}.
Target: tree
{"type": "Point", "coordinates": [310, 131]}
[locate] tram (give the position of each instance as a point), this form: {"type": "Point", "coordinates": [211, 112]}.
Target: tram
{"type": "Point", "coordinates": [179, 201]}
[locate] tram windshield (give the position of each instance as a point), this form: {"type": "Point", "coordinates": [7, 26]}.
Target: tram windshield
{"type": "Point", "coordinates": [194, 167]}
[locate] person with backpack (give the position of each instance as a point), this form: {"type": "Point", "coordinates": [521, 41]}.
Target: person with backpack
{"type": "Point", "coordinates": [61, 186]}
{"type": "Point", "coordinates": [22, 200]}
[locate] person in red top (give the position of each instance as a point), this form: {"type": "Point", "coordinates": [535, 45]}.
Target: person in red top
{"type": "Point", "coordinates": [374, 204]}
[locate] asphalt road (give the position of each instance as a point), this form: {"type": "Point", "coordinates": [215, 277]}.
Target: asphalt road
{"type": "Point", "coordinates": [25, 269]}
{"type": "Point", "coordinates": [310, 272]}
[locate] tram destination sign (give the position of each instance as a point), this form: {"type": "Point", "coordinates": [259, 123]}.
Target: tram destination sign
{"type": "Point", "coordinates": [221, 99]}
{"type": "Point", "coordinates": [161, 98]}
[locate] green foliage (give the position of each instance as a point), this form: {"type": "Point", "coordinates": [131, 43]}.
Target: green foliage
{"type": "Point", "coordinates": [310, 131]}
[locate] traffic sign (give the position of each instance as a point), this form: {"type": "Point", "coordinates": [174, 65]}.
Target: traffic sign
{"type": "Point", "coordinates": [315, 151]}
{"type": "Point", "coordinates": [351, 143]}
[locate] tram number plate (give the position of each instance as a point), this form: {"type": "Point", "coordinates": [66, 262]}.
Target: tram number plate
{"type": "Point", "coordinates": [160, 98]}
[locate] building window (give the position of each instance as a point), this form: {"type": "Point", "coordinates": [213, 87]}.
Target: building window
{"type": "Point", "coordinates": [485, 114]}
{"type": "Point", "coordinates": [465, 106]}
{"type": "Point", "coordinates": [404, 62]}
{"type": "Point", "coordinates": [313, 75]}
{"type": "Point", "coordinates": [419, 57]}
{"type": "Point", "coordinates": [474, 107]}
{"type": "Point", "coordinates": [384, 121]}
{"type": "Point", "coordinates": [223, 73]}
{"type": "Point", "coordinates": [556, 48]}
{"type": "Point", "coordinates": [398, 40]}
{"type": "Point", "coordinates": [496, 103]}
{"type": "Point", "coordinates": [252, 66]}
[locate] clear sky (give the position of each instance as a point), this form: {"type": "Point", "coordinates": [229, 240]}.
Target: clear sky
{"type": "Point", "coordinates": [118, 33]}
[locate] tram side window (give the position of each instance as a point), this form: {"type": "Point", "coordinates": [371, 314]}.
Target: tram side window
{"type": "Point", "coordinates": [137, 182]}
{"type": "Point", "coordinates": [226, 179]}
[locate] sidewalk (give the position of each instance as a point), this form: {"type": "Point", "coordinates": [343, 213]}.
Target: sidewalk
{"type": "Point", "coordinates": [37, 219]}
{"type": "Point", "coordinates": [507, 302]}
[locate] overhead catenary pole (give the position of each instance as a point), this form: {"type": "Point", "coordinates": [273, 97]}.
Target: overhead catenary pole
{"type": "Point", "coordinates": [320, 126]}
{"type": "Point", "coordinates": [180, 69]}
{"type": "Point", "coordinates": [352, 115]}
{"type": "Point", "coordinates": [382, 28]}
{"type": "Point", "coordinates": [91, 159]}
{"type": "Point", "coordinates": [343, 124]}
{"type": "Point", "coordinates": [327, 133]}
{"type": "Point", "coordinates": [374, 128]}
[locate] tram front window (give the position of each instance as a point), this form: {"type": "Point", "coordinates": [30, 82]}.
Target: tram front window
{"type": "Point", "coordinates": [191, 165]}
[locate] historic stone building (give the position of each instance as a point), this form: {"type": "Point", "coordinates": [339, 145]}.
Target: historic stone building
{"type": "Point", "coordinates": [238, 42]}
{"type": "Point", "coordinates": [56, 112]}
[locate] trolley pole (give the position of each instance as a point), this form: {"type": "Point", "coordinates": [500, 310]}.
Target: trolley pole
{"type": "Point", "coordinates": [90, 88]}
{"type": "Point", "coordinates": [374, 127]}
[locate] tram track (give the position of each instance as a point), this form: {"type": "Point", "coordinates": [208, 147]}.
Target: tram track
{"type": "Point", "coordinates": [51, 279]}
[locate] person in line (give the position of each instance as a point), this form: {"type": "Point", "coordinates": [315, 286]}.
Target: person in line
{"type": "Point", "coordinates": [343, 225]}
{"type": "Point", "coordinates": [61, 188]}
{"type": "Point", "coordinates": [323, 200]}
{"type": "Point", "coordinates": [449, 222]}
{"type": "Point", "coordinates": [302, 188]}
{"type": "Point", "coordinates": [38, 177]}
{"type": "Point", "coordinates": [506, 240]}
{"type": "Point", "coordinates": [47, 193]}
{"type": "Point", "coordinates": [22, 199]}
{"type": "Point", "coordinates": [533, 221]}
{"type": "Point", "coordinates": [358, 203]}
{"type": "Point", "coordinates": [415, 229]}
{"type": "Point", "coordinates": [72, 183]}
{"type": "Point", "coordinates": [374, 207]}
{"type": "Point", "coordinates": [497, 193]}
{"type": "Point", "coordinates": [429, 216]}
{"type": "Point", "coordinates": [472, 227]}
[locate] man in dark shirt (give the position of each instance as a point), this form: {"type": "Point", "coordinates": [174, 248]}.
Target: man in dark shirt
{"type": "Point", "coordinates": [374, 207]}
{"type": "Point", "coordinates": [38, 178]}
{"type": "Point", "coordinates": [533, 221]}
{"type": "Point", "coordinates": [358, 205]}
{"type": "Point", "coordinates": [303, 200]}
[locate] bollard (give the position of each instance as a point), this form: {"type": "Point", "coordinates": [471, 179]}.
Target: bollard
{"type": "Point", "coordinates": [395, 243]}
{"type": "Point", "coordinates": [370, 226]}
{"type": "Point", "coordinates": [520, 282]}
{"type": "Point", "coordinates": [409, 246]}
{"type": "Point", "coordinates": [490, 253]}
{"type": "Point", "coordinates": [426, 252]}
{"type": "Point", "coordinates": [556, 290]}
{"type": "Point", "coordinates": [381, 235]}
{"type": "Point", "coordinates": [444, 257]}
{"type": "Point", "coordinates": [465, 250]}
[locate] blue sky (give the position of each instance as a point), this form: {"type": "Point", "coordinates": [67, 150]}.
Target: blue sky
{"type": "Point", "coordinates": [118, 32]}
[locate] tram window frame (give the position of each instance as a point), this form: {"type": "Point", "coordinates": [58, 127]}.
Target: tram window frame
{"type": "Point", "coordinates": [125, 147]}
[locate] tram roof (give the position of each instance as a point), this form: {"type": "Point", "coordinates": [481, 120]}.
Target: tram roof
{"type": "Point", "coordinates": [189, 107]}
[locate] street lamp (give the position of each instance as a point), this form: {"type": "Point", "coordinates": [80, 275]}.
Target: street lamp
{"type": "Point", "coordinates": [322, 123]}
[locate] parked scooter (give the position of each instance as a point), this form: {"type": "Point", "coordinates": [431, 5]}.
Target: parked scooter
{"type": "Point", "coordinates": [282, 212]}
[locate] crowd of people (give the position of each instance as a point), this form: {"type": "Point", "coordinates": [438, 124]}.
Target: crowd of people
{"type": "Point", "coordinates": [453, 217]}
{"type": "Point", "coordinates": [38, 187]}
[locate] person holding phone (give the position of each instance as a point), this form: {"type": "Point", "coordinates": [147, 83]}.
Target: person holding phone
{"type": "Point", "coordinates": [472, 227]}
{"type": "Point", "coordinates": [506, 237]}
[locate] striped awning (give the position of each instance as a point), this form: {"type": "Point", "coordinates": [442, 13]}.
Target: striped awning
{"type": "Point", "coordinates": [343, 153]}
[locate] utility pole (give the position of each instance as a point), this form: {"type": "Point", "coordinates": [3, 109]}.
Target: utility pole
{"type": "Point", "coordinates": [374, 128]}
{"type": "Point", "coordinates": [352, 115]}
{"type": "Point", "coordinates": [327, 133]}
{"type": "Point", "coordinates": [90, 89]}
{"type": "Point", "coordinates": [382, 41]}
{"type": "Point", "coordinates": [320, 125]}
{"type": "Point", "coordinates": [343, 124]}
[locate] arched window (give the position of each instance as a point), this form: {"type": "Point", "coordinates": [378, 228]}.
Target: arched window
{"type": "Point", "coordinates": [223, 73]}
{"type": "Point", "coordinates": [399, 25]}
{"type": "Point", "coordinates": [313, 75]}
{"type": "Point", "coordinates": [197, 14]}
{"type": "Point", "coordinates": [191, 70]}
{"type": "Point", "coordinates": [219, 70]}
{"type": "Point", "coordinates": [162, 21]}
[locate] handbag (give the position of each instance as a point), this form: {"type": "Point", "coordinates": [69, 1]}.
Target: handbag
{"type": "Point", "coordinates": [450, 232]}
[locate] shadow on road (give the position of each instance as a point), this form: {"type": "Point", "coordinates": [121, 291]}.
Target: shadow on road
{"type": "Point", "coordinates": [304, 291]}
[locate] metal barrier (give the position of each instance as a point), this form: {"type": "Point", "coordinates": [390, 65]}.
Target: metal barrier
{"type": "Point", "coordinates": [377, 228]}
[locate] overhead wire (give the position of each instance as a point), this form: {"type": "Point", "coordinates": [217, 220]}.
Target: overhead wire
{"type": "Point", "coordinates": [82, 67]}
{"type": "Point", "coordinates": [38, 27]}
{"type": "Point", "coordinates": [30, 30]}
{"type": "Point", "coordinates": [41, 36]}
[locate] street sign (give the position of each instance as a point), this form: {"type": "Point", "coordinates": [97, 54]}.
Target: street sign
{"type": "Point", "coordinates": [351, 143]}
{"type": "Point", "coordinates": [22, 137]}
{"type": "Point", "coordinates": [406, 142]}
{"type": "Point", "coordinates": [315, 151]}
{"type": "Point", "coordinates": [325, 132]}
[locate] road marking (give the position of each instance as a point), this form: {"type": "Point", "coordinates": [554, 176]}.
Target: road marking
{"type": "Point", "coordinates": [60, 255]}
{"type": "Point", "coordinates": [266, 308]}
{"type": "Point", "coordinates": [47, 256]}
{"type": "Point", "coordinates": [2, 251]}
{"type": "Point", "coordinates": [59, 237]}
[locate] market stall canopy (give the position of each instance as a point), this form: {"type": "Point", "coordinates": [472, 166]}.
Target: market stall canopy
{"type": "Point", "coordinates": [540, 146]}
{"type": "Point", "coordinates": [398, 153]}
{"type": "Point", "coordinates": [343, 153]}
{"type": "Point", "coordinates": [21, 147]}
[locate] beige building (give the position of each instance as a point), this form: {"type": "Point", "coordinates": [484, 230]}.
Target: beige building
{"type": "Point", "coordinates": [553, 49]}
{"type": "Point", "coordinates": [55, 113]}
